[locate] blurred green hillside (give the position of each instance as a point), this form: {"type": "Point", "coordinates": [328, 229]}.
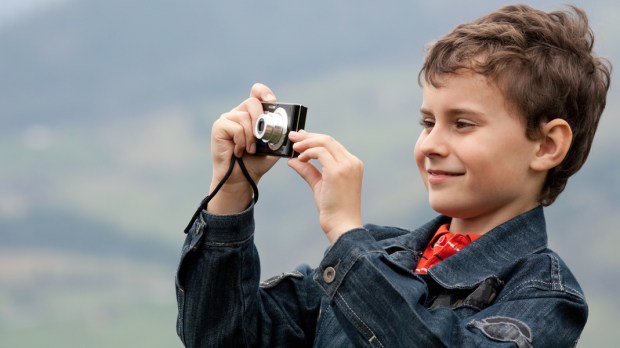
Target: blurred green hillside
{"type": "Point", "coordinates": [105, 114]}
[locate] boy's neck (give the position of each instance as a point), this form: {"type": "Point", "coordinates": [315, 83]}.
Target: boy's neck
{"type": "Point", "coordinates": [485, 223]}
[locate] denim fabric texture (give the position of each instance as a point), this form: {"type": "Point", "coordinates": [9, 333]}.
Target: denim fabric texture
{"type": "Point", "coordinates": [506, 289]}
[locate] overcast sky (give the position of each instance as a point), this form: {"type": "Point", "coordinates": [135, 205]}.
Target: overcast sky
{"type": "Point", "coordinates": [12, 10]}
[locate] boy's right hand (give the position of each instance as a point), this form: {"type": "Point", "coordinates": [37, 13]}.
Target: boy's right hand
{"type": "Point", "coordinates": [233, 133]}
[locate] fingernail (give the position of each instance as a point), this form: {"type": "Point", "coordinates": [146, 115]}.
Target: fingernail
{"type": "Point", "coordinates": [252, 148]}
{"type": "Point", "coordinates": [270, 97]}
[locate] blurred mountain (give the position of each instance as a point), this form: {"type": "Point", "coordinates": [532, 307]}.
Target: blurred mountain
{"type": "Point", "coordinates": [89, 58]}
{"type": "Point", "coordinates": [105, 112]}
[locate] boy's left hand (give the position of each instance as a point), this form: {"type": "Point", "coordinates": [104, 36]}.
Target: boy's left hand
{"type": "Point", "coordinates": [337, 186]}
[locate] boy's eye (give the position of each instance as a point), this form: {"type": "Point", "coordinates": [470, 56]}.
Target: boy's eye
{"type": "Point", "coordinates": [427, 123]}
{"type": "Point", "coordinates": [463, 124]}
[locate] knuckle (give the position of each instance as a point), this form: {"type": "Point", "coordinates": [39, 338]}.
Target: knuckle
{"type": "Point", "coordinates": [255, 103]}
{"type": "Point", "coordinates": [248, 101]}
{"type": "Point", "coordinates": [228, 115]}
{"type": "Point", "coordinates": [222, 117]}
{"type": "Point", "coordinates": [328, 138]}
{"type": "Point", "coordinates": [343, 171]}
{"type": "Point", "coordinates": [219, 123]}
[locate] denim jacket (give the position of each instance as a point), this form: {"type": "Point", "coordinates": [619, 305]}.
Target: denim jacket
{"type": "Point", "coordinates": [505, 289]}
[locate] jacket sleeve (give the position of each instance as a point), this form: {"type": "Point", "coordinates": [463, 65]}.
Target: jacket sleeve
{"type": "Point", "coordinates": [380, 304]}
{"type": "Point", "coordinates": [221, 302]}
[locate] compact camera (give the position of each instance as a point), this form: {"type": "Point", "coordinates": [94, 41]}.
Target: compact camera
{"type": "Point", "coordinates": [272, 128]}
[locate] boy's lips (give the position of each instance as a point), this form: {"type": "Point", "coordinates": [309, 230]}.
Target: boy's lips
{"type": "Point", "coordinates": [436, 176]}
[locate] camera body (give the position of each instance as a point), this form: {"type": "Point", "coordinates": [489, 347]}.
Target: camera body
{"type": "Point", "coordinates": [272, 128]}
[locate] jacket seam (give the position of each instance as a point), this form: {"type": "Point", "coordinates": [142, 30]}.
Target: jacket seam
{"type": "Point", "coordinates": [229, 244]}
{"type": "Point", "coordinates": [244, 304]}
{"type": "Point", "coordinates": [346, 265]}
{"type": "Point", "coordinates": [556, 276]}
{"type": "Point", "coordinates": [533, 283]}
{"type": "Point", "coordinates": [358, 319]}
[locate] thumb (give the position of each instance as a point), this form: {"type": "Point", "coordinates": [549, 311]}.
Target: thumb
{"type": "Point", "coordinates": [262, 93]}
{"type": "Point", "coordinates": [306, 170]}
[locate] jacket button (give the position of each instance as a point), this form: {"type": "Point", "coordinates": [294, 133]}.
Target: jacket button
{"type": "Point", "coordinates": [329, 275]}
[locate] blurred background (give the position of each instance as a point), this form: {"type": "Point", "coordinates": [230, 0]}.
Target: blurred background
{"type": "Point", "coordinates": [105, 115]}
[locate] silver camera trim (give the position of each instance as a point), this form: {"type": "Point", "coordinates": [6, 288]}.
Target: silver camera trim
{"type": "Point", "coordinates": [275, 124]}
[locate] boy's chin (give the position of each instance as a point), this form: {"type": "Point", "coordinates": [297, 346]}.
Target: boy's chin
{"type": "Point", "coordinates": [449, 208]}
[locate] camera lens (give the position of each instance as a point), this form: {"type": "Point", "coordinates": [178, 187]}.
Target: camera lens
{"type": "Point", "coordinates": [272, 127]}
{"type": "Point", "coordinates": [260, 126]}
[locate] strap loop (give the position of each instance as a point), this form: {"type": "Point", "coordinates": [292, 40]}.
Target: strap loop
{"type": "Point", "coordinates": [205, 201]}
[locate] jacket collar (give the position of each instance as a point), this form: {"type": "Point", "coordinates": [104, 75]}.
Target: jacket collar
{"type": "Point", "coordinates": [491, 254]}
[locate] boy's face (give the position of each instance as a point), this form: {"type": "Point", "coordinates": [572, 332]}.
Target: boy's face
{"type": "Point", "coordinates": [473, 155]}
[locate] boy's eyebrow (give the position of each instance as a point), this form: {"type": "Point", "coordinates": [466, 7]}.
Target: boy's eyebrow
{"type": "Point", "coordinates": [424, 111]}
{"type": "Point", "coordinates": [451, 112]}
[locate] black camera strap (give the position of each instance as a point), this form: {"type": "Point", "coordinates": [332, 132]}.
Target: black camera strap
{"type": "Point", "coordinates": [205, 201]}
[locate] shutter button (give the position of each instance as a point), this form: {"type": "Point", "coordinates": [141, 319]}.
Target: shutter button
{"type": "Point", "coordinates": [329, 274]}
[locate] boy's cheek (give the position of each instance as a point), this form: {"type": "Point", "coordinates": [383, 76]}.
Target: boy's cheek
{"type": "Point", "coordinates": [423, 175]}
{"type": "Point", "coordinates": [419, 159]}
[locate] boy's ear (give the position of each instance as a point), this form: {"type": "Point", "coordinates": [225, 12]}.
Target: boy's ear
{"type": "Point", "coordinates": [553, 145]}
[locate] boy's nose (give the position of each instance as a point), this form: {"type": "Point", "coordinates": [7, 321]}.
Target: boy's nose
{"type": "Point", "coordinates": [433, 144]}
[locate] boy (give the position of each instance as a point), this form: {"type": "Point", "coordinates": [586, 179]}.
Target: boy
{"type": "Point", "coordinates": [510, 105]}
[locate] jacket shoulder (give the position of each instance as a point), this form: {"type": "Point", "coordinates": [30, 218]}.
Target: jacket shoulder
{"type": "Point", "coordinates": [422, 234]}
{"type": "Point", "coordinates": [543, 271]}
{"type": "Point", "coordinates": [381, 233]}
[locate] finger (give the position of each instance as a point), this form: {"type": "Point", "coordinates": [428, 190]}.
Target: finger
{"type": "Point", "coordinates": [255, 110]}
{"type": "Point", "coordinates": [303, 141]}
{"type": "Point", "coordinates": [231, 130]}
{"type": "Point", "coordinates": [262, 93]}
{"type": "Point", "coordinates": [247, 119]}
{"type": "Point", "coordinates": [246, 114]}
{"type": "Point", "coordinates": [321, 154]}
{"type": "Point", "coordinates": [238, 139]}
{"type": "Point", "coordinates": [307, 140]}
{"type": "Point", "coordinates": [249, 105]}
{"type": "Point", "coordinates": [306, 170]}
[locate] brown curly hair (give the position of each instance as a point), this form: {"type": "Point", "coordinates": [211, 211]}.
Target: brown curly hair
{"type": "Point", "coordinates": [544, 65]}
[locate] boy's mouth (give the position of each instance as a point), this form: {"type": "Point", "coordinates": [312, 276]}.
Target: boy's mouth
{"type": "Point", "coordinates": [442, 173]}
{"type": "Point", "coordinates": [436, 177]}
